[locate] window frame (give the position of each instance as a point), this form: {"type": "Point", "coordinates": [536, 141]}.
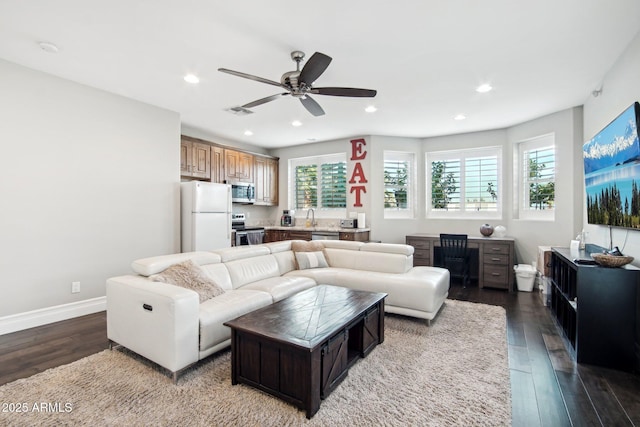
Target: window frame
{"type": "Point", "coordinates": [320, 212]}
{"type": "Point", "coordinates": [463, 155]}
{"type": "Point", "coordinates": [522, 210]}
{"type": "Point", "coordinates": [401, 156]}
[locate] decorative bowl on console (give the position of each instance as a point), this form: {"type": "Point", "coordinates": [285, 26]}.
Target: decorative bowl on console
{"type": "Point", "coordinates": [607, 260]}
{"type": "Point", "coordinates": [486, 230]}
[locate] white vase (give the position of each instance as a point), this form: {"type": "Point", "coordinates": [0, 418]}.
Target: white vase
{"type": "Point", "coordinates": [500, 231]}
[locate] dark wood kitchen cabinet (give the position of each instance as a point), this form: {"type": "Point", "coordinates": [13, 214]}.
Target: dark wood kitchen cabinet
{"type": "Point", "coordinates": [266, 180]}
{"type": "Point", "coordinates": [238, 166]}
{"type": "Point", "coordinates": [195, 159]}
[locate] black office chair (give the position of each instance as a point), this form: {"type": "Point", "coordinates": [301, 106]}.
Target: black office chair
{"type": "Point", "coordinates": [454, 256]}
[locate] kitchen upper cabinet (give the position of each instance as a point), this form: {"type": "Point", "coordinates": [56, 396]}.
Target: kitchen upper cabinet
{"type": "Point", "coordinates": [238, 166]}
{"type": "Point", "coordinates": [195, 159]}
{"type": "Point", "coordinates": [217, 164]}
{"type": "Point", "coordinates": [266, 180]}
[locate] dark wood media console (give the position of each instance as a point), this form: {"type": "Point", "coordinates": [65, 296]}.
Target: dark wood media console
{"type": "Point", "coordinates": [595, 307]}
{"type": "Point", "coordinates": [300, 349]}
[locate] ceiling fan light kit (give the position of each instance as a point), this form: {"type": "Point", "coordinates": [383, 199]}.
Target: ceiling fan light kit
{"type": "Point", "coordinates": [299, 83]}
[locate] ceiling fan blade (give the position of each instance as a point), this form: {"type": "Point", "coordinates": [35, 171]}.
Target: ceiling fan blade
{"type": "Point", "coordinates": [312, 106]}
{"type": "Point", "coordinates": [264, 100]}
{"type": "Point", "coordinates": [251, 77]}
{"type": "Point", "coordinates": [314, 67]}
{"type": "Point", "coordinates": [344, 91]}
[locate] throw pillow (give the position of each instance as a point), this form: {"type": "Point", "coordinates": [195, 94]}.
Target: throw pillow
{"type": "Point", "coordinates": [189, 275]}
{"type": "Point", "coordinates": [302, 246]}
{"type": "Point", "coordinates": [311, 260]}
{"type": "Point", "coordinates": [309, 254]}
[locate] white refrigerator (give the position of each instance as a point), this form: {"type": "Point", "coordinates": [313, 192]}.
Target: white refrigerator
{"type": "Point", "coordinates": [206, 216]}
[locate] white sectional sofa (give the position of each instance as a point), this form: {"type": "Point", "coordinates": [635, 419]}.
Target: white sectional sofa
{"type": "Point", "coordinates": [168, 325]}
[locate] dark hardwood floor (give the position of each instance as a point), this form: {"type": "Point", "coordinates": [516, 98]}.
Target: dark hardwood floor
{"type": "Point", "coordinates": [547, 387]}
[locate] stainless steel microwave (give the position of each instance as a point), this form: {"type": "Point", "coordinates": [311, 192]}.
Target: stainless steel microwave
{"type": "Point", "coordinates": [243, 192]}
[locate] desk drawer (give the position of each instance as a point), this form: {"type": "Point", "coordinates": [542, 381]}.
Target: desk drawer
{"type": "Point", "coordinates": [496, 248]}
{"type": "Point", "coordinates": [496, 276]}
{"type": "Point", "coordinates": [422, 254]}
{"type": "Point", "coordinates": [418, 243]}
{"type": "Point", "coordinates": [496, 259]}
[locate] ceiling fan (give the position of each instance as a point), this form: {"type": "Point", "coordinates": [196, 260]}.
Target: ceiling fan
{"type": "Point", "coordinates": [299, 83]}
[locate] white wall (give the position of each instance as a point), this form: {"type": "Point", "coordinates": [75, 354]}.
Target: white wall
{"type": "Point", "coordinates": [88, 183]}
{"type": "Point", "coordinates": [567, 127]}
{"type": "Point", "coordinates": [620, 88]}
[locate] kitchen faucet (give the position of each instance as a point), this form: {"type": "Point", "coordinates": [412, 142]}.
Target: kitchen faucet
{"type": "Point", "coordinates": [313, 218]}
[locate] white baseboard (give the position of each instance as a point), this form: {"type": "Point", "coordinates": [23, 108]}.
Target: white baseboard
{"type": "Point", "coordinates": [44, 316]}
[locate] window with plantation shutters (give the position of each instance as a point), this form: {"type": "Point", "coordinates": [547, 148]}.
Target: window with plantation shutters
{"type": "Point", "coordinates": [481, 178]}
{"type": "Point", "coordinates": [319, 183]}
{"type": "Point", "coordinates": [399, 178]}
{"type": "Point", "coordinates": [333, 185]}
{"type": "Point", "coordinates": [306, 186]}
{"type": "Point", "coordinates": [464, 183]}
{"type": "Point", "coordinates": [536, 177]}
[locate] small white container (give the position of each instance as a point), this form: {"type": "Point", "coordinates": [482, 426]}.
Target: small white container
{"type": "Point", "coordinates": [525, 277]}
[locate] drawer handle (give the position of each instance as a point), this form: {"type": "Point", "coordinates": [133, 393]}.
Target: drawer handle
{"type": "Point", "coordinates": [495, 249]}
{"type": "Point", "coordinates": [495, 259]}
{"type": "Point", "coordinates": [495, 274]}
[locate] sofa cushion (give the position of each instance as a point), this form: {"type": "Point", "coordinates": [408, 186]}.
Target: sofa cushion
{"type": "Point", "coordinates": [216, 311]}
{"type": "Point", "coordinates": [368, 261]}
{"type": "Point", "coordinates": [241, 252]}
{"type": "Point", "coordinates": [420, 289]}
{"type": "Point", "coordinates": [219, 274]}
{"type": "Point", "coordinates": [286, 261]}
{"type": "Point", "coordinates": [189, 275]}
{"type": "Point", "coordinates": [280, 246]}
{"type": "Point", "coordinates": [157, 264]}
{"type": "Point", "coordinates": [282, 287]}
{"type": "Point", "coordinates": [389, 248]}
{"type": "Point", "coordinates": [248, 270]}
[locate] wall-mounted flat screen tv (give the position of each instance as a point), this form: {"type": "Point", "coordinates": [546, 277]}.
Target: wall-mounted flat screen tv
{"type": "Point", "coordinates": [612, 172]}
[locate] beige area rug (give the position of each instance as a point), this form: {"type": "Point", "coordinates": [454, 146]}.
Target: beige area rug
{"type": "Point", "coordinates": [454, 373]}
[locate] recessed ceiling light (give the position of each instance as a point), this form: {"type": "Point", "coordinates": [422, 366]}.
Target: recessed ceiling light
{"type": "Point", "coordinates": [296, 123]}
{"type": "Point", "coordinates": [248, 132]}
{"type": "Point", "coordinates": [191, 78]}
{"type": "Point", "coordinates": [460, 117]}
{"type": "Point", "coordinates": [371, 109]}
{"type": "Point", "coordinates": [48, 47]}
{"type": "Point", "coordinates": [484, 88]}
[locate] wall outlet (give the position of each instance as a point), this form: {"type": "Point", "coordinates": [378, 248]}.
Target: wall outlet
{"type": "Point", "coordinates": [75, 287]}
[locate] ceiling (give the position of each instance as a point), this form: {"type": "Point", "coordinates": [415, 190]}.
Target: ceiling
{"type": "Point", "coordinates": [424, 57]}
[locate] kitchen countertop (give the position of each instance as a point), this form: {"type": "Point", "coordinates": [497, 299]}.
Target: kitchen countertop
{"type": "Point", "coordinates": [317, 228]}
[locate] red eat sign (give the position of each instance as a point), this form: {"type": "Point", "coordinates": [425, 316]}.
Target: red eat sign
{"type": "Point", "coordinates": [357, 177]}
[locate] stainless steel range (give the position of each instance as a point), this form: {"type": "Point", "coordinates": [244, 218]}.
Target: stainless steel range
{"type": "Point", "coordinates": [246, 235]}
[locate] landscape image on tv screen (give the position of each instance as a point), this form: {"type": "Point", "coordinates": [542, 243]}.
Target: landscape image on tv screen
{"type": "Point", "coordinates": [612, 172]}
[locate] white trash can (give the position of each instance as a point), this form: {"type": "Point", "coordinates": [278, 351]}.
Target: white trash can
{"type": "Point", "coordinates": [525, 277]}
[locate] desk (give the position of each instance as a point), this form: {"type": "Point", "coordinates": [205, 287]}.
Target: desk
{"type": "Point", "coordinates": [492, 258]}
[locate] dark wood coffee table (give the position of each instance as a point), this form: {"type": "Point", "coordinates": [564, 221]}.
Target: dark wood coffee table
{"type": "Point", "coordinates": [300, 349]}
